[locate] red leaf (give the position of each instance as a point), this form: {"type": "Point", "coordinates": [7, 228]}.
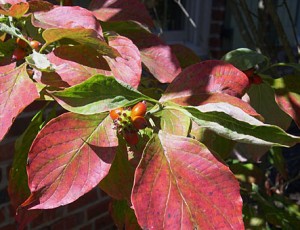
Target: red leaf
{"type": "Point", "coordinates": [121, 10]}
{"type": "Point", "coordinates": [207, 77]}
{"type": "Point", "coordinates": [72, 67]}
{"type": "Point", "coordinates": [17, 91]}
{"type": "Point", "coordinates": [16, 10]}
{"type": "Point", "coordinates": [69, 157]}
{"type": "Point", "coordinates": [128, 67]}
{"type": "Point", "coordinates": [290, 103]}
{"type": "Point", "coordinates": [66, 17]}
{"type": "Point", "coordinates": [158, 57]}
{"type": "Point", "coordinates": [185, 55]}
{"type": "Point", "coordinates": [180, 185]}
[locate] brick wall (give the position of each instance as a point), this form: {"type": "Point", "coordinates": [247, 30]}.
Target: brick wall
{"type": "Point", "coordinates": [216, 28]}
{"type": "Point", "coordinates": [88, 212]}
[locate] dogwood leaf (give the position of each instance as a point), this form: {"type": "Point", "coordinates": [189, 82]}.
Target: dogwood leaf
{"type": "Point", "coordinates": [17, 91]}
{"type": "Point", "coordinates": [68, 158]}
{"type": "Point", "coordinates": [233, 123]}
{"type": "Point", "coordinates": [205, 78]}
{"type": "Point", "coordinates": [127, 67]}
{"type": "Point", "coordinates": [83, 36]}
{"type": "Point", "coordinates": [244, 58]}
{"type": "Point", "coordinates": [180, 184]}
{"type": "Point", "coordinates": [71, 67]}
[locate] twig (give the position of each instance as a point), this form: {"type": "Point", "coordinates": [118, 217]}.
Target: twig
{"type": "Point", "coordinates": [241, 24]}
{"type": "Point", "coordinates": [280, 31]}
{"type": "Point", "coordinates": [186, 13]}
{"type": "Point", "coordinates": [256, 35]}
{"type": "Point", "coordinates": [293, 25]}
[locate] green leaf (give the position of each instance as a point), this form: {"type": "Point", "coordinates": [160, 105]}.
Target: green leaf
{"type": "Point", "coordinates": [262, 99]}
{"type": "Point", "coordinates": [233, 123]}
{"type": "Point", "coordinates": [175, 122]}
{"type": "Point", "coordinates": [244, 58]}
{"type": "Point", "coordinates": [98, 94]}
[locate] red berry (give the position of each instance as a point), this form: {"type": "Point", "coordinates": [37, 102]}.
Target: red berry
{"type": "Point", "coordinates": [139, 122]}
{"type": "Point", "coordinates": [249, 72]}
{"type": "Point", "coordinates": [21, 43]}
{"type": "Point", "coordinates": [139, 109]}
{"type": "Point", "coordinates": [256, 79]}
{"type": "Point", "coordinates": [18, 54]}
{"type": "Point", "coordinates": [35, 44]}
{"type": "Point", "coordinates": [115, 114]}
{"type": "Point", "coordinates": [132, 138]}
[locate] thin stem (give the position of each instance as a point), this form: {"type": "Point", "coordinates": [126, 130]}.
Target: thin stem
{"type": "Point", "coordinates": [293, 25]}
{"type": "Point", "coordinates": [257, 36]}
{"type": "Point", "coordinates": [280, 31]}
{"type": "Point", "coordinates": [241, 24]}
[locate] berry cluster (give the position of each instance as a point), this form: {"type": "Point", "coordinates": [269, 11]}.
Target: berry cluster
{"type": "Point", "coordinates": [128, 121]}
{"type": "Point", "coordinates": [22, 48]}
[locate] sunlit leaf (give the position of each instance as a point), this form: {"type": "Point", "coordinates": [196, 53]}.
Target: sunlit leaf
{"type": "Point", "coordinates": [17, 91]}
{"type": "Point", "coordinates": [66, 17]}
{"type": "Point", "coordinates": [180, 185]}
{"type": "Point", "coordinates": [68, 158]}
{"type": "Point", "coordinates": [127, 67]}
{"type": "Point", "coordinates": [205, 78]}
{"type": "Point", "coordinates": [98, 94]}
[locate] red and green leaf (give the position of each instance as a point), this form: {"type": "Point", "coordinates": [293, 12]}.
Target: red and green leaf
{"type": "Point", "coordinates": [68, 158]}
{"type": "Point", "coordinates": [17, 91]}
{"type": "Point", "coordinates": [179, 184]}
{"type": "Point", "coordinates": [127, 67]}
{"type": "Point", "coordinates": [121, 10]}
{"type": "Point", "coordinates": [83, 36]}
{"type": "Point", "coordinates": [98, 94]}
{"type": "Point", "coordinates": [233, 123]}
